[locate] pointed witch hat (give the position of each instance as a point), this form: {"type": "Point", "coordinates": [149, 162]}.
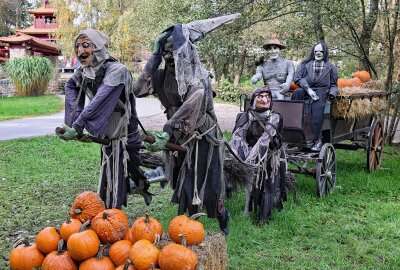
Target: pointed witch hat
{"type": "Point", "coordinates": [199, 29]}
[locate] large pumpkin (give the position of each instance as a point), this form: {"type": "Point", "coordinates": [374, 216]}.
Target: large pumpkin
{"type": "Point", "coordinates": [177, 257]}
{"type": "Point", "coordinates": [119, 252]}
{"type": "Point", "coordinates": [25, 256]}
{"type": "Point", "coordinates": [83, 244]}
{"type": "Point", "coordinates": [355, 82]}
{"type": "Point", "coordinates": [69, 227]}
{"type": "Point", "coordinates": [86, 206]}
{"type": "Point", "coordinates": [143, 253]}
{"type": "Point", "coordinates": [99, 262]}
{"type": "Point", "coordinates": [293, 86]}
{"type": "Point", "coordinates": [110, 225]}
{"type": "Point", "coordinates": [59, 260]}
{"type": "Point", "coordinates": [192, 229]}
{"type": "Point", "coordinates": [363, 75]}
{"type": "Point", "coordinates": [146, 228]}
{"type": "Point", "coordinates": [47, 240]}
{"type": "Point", "coordinates": [343, 83]}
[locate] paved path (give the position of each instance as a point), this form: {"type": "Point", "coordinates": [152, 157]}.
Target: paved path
{"type": "Point", "coordinates": [149, 111]}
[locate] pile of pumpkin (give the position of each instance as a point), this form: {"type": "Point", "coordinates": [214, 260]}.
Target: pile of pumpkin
{"type": "Point", "coordinates": [128, 248]}
{"type": "Point", "coordinates": [358, 87]}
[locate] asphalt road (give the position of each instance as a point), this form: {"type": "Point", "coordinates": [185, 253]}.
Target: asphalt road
{"type": "Point", "coordinates": [45, 125]}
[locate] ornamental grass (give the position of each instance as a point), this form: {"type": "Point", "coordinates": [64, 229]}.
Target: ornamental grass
{"type": "Point", "coordinates": [30, 75]}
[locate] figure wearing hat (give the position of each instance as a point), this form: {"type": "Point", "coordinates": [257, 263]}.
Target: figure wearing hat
{"type": "Point", "coordinates": [277, 72]}
{"type": "Point", "coordinates": [183, 87]}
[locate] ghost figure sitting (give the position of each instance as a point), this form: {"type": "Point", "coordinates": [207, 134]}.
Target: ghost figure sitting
{"type": "Point", "coordinates": [277, 72]}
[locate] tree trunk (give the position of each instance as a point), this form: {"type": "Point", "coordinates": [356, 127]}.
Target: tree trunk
{"type": "Point", "coordinates": [369, 22]}
{"type": "Point", "coordinates": [393, 103]}
{"type": "Point", "coordinates": [239, 70]}
{"type": "Point", "coordinates": [319, 32]}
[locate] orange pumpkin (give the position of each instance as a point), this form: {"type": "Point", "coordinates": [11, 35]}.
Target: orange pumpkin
{"type": "Point", "coordinates": [100, 262]}
{"type": "Point", "coordinates": [363, 75]}
{"type": "Point", "coordinates": [59, 260]}
{"type": "Point", "coordinates": [192, 229]}
{"type": "Point", "coordinates": [143, 253]}
{"type": "Point", "coordinates": [69, 227]}
{"type": "Point", "coordinates": [83, 244]}
{"type": "Point", "coordinates": [177, 257]}
{"type": "Point", "coordinates": [146, 228]}
{"type": "Point", "coordinates": [127, 266]}
{"type": "Point", "coordinates": [110, 225]}
{"type": "Point", "coordinates": [47, 240]}
{"type": "Point", "coordinates": [129, 235]}
{"type": "Point", "coordinates": [293, 87]}
{"type": "Point", "coordinates": [86, 206]}
{"type": "Point", "coordinates": [343, 83]}
{"type": "Point", "coordinates": [25, 256]}
{"type": "Point", "coordinates": [119, 252]}
{"type": "Point", "coordinates": [355, 81]}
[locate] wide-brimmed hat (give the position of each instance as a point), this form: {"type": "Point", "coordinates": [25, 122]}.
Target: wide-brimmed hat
{"type": "Point", "coordinates": [275, 42]}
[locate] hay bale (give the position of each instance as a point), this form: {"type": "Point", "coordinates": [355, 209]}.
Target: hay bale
{"type": "Point", "coordinates": [376, 85]}
{"type": "Point", "coordinates": [211, 252]}
{"type": "Point", "coordinates": [360, 105]}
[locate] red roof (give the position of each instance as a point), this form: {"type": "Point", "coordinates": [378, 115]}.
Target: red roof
{"type": "Point", "coordinates": [33, 30]}
{"type": "Point", "coordinates": [20, 38]}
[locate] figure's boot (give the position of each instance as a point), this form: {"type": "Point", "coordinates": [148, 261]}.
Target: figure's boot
{"type": "Point", "coordinates": [317, 146]}
{"type": "Point", "coordinates": [147, 196]}
{"type": "Point", "coordinates": [223, 220]}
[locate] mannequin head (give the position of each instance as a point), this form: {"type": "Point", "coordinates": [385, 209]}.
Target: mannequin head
{"type": "Point", "coordinates": [263, 100]}
{"type": "Point", "coordinates": [318, 52]}
{"type": "Point", "coordinates": [273, 51]}
{"type": "Point", "coordinates": [84, 50]}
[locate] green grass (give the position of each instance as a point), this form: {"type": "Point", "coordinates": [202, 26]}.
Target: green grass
{"type": "Point", "coordinates": [357, 227]}
{"type": "Point", "coordinates": [20, 107]}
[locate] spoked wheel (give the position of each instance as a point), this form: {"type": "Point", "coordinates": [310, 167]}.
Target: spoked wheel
{"type": "Point", "coordinates": [326, 170]}
{"type": "Point", "coordinates": [375, 146]}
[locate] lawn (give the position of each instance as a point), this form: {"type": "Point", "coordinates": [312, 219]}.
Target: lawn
{"type": "Point", "coordinates": [357, 227]}
{"type": "Point", "coordinates": [20, 107]}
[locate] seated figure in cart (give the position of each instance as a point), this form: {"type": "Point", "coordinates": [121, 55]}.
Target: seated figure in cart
{"type": "Point", "coordinates": [317, 78]}
{"type": "Point", "coordinates": [256, 141]}
{"type": "Point", "coordinates": [277, 72]}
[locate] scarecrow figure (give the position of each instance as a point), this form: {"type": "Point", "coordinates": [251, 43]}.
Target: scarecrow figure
{"type": "Point", "coordinates": [111, 114]}
{"type": "Point", "coordinates": [277, 72]}
{"type": "Point", "coordinates": [183, 86]}
{"type": "Point", "coordinates": [256, 141]}
{"type": "Point", "coordinates": [317, 78]}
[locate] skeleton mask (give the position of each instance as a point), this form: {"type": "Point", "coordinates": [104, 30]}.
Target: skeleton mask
{"type": "Point", "coordinates": [273, 51]}
{"type": "Point", "coordinates": [318, 52]}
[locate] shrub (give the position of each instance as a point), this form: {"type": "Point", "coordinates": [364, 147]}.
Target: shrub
{"type": "Point", "coordinates": [30, 75]}
{"type": "Point", "coordinates": [228, 92]}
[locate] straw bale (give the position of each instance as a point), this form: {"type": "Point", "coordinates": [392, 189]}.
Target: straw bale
{"type": "Point", "coordinates": [358, 107]}
{"type": "Point", "coordinates": [211, 252]}
{"type": "Point", "coordinates": [376, 85]}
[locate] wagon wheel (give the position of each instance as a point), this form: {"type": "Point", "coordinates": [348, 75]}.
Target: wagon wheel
{"type": "Point", "coordinates": [326, 170]}
{"type": "Point", "coordinates": [375, 146]}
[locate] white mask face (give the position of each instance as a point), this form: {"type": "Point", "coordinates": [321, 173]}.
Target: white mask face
{"type": "Point", "coordinates": [273, 51]}
{"type": "Point", "coordinates": [318, 52]}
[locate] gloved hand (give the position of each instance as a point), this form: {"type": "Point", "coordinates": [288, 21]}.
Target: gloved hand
{"type": "Point", "coordinates": [85, 138]}
{"type": "Point", "coordinates": [284, 87]}
{"type": "Point", "coordinates": [312, 94]}
{"type": "Point", "coordinates": [161, 138]}
{"type": "Point", "coordinates": [160, 42]}
{"type": "Point", "coordinates": [69, 133]}
{"type": "Point", "coordinates": [330, 97]}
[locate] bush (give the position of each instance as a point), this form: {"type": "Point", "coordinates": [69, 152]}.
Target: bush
{"type": "Point", "coordinates": [228, 92]}
{"type": "Point", "coordinates": [30, 75]}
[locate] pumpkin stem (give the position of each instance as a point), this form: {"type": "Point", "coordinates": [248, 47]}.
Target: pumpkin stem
{"type": "Point", "coordinates": [78, 211]}
{"type": "Point", "coordinates": [84, 225]}
{"type": "Point", "coordinates": [68, 219]}
{"type": "Point", "coordinates": [22, 241]}
{"type": "Point", "coordinates": [60, 246]}
{"type": "Point", "coordinates": [157, 239]}
{"type": "Point", "coordinates": [183, 239]}
{"type": "Point", "coordinates": [153, 267]}
{"type": "Point", "coordinates": [147, 218]}
{"type": "Point", "coordinates": [100, 253]}
{"type": "Point", "coordinates": [105, 215]}
{"type": "Point", "coordinates": [196, 216]}
{"type": "Point", "coordinates": [127, 263]}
